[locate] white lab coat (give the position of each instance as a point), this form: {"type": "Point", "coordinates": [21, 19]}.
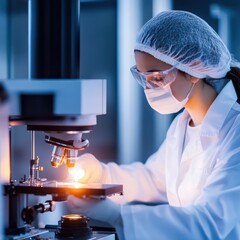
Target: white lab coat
{"type": "Point", "coordinates": [195, 195]}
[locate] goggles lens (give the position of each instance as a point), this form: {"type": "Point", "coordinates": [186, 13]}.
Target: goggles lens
{"type": "Point", "coordinates": [154, 79]}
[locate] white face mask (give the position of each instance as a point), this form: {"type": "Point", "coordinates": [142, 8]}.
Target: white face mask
{"type": "Point", "coordinates": [163, 101]}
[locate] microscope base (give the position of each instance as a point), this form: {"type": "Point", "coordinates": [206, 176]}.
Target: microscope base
{"type": "Point", "coordinates": [48, 234]}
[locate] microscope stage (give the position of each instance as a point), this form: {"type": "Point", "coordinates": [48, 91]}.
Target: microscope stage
{"type": "Point", "coordinates": [66, 188]}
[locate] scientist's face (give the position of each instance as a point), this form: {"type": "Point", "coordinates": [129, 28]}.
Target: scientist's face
{"type": "Point", "coordinates": [147, 63]}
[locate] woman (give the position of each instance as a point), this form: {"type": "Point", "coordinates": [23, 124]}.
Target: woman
{"type": "Point", "coordinates": [189, 188]}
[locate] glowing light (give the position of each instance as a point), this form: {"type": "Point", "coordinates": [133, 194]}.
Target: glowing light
{"type": "Point", "coordinates": [77, 185]}
{"type": "Point", "coordinates": [72, 216]}
{"type": "Point", "coordinates": [70, 184]}
{"type": "Point", "coordinates": [77, 173]}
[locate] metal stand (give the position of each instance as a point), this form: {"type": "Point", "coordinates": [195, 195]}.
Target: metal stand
{"type": "Point", "coordinates": [34, 178]}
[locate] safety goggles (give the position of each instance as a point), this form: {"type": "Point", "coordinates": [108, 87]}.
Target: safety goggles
{"type": "Point", "coordinates": [154, 79]}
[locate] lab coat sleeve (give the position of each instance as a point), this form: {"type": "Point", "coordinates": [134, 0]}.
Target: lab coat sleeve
{"type": "Point", "coordinates": [140, 182]}
{"type": "Point", "coordinates": [213, 215]}
{"type": "Point", "coordinates": [143, 182]}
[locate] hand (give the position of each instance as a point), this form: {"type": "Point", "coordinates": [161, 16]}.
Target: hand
{"type": "Point", "coordinates": [90, 169]}
{"type": "Point", "coordinates": [104, 210]}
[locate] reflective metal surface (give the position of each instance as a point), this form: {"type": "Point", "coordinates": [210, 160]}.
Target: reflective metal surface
{"type": "Point", "coordinates": [63, 189]}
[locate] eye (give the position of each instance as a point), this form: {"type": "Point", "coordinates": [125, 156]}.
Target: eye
{"type": "Point", "coordinates": [156, 77]}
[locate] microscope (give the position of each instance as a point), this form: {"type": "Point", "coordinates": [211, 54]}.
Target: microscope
{"type": "Point", "coordinates": [64, 111]}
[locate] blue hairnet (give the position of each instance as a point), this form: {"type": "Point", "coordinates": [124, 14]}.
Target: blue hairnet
{"type": "Point", "coordinates": [184, 40]}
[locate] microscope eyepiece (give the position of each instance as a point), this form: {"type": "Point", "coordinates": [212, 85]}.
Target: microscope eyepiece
{"type": "Point", "coordinates": [66, 147]}
{"type": "Point", "coordinates": [71, 157]}
{"type": "Point", "coordinates": [58, 155]}
{"type": "Point", "coordinates": [61, 155]}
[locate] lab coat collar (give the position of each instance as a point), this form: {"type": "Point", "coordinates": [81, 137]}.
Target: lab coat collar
{"type": "Point", "coordinates": [216, 115]}
{"type": "Point", "coordinates": [209, 136]}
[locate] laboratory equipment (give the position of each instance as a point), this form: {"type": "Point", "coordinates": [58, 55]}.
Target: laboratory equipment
{"type": "Point", "coordinates": [64, 111]}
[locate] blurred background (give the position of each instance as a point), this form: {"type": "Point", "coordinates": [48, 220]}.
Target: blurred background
{"type": "Point", "coordinates": [131, 130]}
